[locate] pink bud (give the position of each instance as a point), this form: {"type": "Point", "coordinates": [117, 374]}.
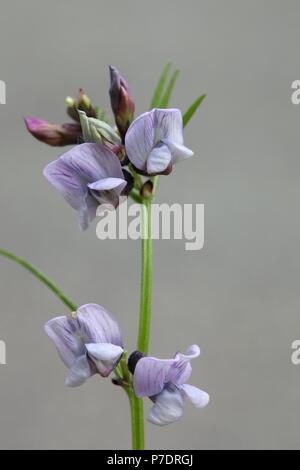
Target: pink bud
{"type": "Point", "coordinates": [56, 135]}
{"type": "Point", "coordinates": [121, 102]}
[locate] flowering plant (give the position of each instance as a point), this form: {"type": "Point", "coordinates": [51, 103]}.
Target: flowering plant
{"type": "Point", "coordinates": [106, 163]}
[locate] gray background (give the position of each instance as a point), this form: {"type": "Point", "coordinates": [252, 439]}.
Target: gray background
{"type": "Point", "coordinates": [238, 298]}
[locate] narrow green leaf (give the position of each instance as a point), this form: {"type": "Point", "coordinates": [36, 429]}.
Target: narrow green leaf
{"type": "Point", "coordinates": [39, 275]}
{"type": "Point", "coordinates": [191, 111]}
{"type": "Point", "coordinates": [160, 86]}
{"type": "Point", "coordinates": [167, 96]}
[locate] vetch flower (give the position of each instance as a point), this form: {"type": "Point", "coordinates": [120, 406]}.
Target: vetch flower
{"type": "Point", "coordinates": [154, 141]}
{"type": "Point", "coordinates": [89, 342]}
{"type": "Point", "coordinates": [56, 135]}
{"type": "Point", "coordinates": [164, 381]}
{"type": "Point", "coordinates": [121, 102]}
{"type": "Point", "coordinates": [87, 176]}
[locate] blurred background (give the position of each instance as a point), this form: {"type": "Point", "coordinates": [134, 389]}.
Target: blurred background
{"type": "Point", "coordinates": [238, 298]}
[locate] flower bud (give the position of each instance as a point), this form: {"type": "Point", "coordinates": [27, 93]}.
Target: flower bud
{"type": "Point", "coordinates": [82, 103]}
{"type": "Point", "coordinates": [147, 190]}
{"type": "Point", "coordinates": [56, 135]}
{"type": "Point", "coordinates": [122, 105]}
{"type": "Point", "coordinates": [135, 357]}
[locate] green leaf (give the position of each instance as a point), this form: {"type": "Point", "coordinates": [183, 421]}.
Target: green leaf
{"type": "Point", "coordinates": [191, 111]}
{"type": "Point", "coordinates": [39, 275]}
{"type": "Point", "coordinates": [160, 86]}
{"type": "Point", "coordinates": [167, 96]}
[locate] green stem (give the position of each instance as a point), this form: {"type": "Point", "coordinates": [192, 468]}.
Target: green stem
{"type": "Point", "coordinates": [137, 420]}
{"type": "Point", "coordinates": [146, 283]}
{"type": "Point", "coordinates": [136, 404]}
{"type": "Point", "coordinates": [39, 275]}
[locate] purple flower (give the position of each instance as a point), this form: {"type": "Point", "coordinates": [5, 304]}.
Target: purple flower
{"type": "Point", "coordinates": [121, 102]}
{"type": "Point", "coordinates": [164, 381]}
{"type": "Point", "coordinates": [87, 176]}
{"type": "Point", "coordinates": [56, 135]}
{"type": "Point", "coordinates": [154, 141]}
{"type": "Point", "coordinates": [89, 342]}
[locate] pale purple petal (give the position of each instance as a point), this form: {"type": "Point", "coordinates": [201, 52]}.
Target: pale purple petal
{"type": "Point", "coordinates": [197, 397]}
{"type": "Point", "coordinates": [168, 407]}
{"type": "Point", "coordinates": [61, 331]}
{"type": "Point", "coordinates": [87, 212]}
{"type": "Point", "coordinates": [181, 370]}
{"type": "Point", "coordinates": [93, 162]}
{"type": "Point", "coordinates": [151, 375]}
{"type": "Point", "coordinates": [152, 129]}
{"type": "Point", "coordinates": [179, 152]}
{"type": "Point", "coordinates": [192, 352]}
{"type": "Point", "coordinates": [140, 139]}
{"type": "Point", "coordinates": [97, 325]}
{"type": "Point", "coordinates": [65, 180]}
{"type": "Point", "coordinates": [74, 171]}
{"type": "Point", "coordinates": [107, 184]}
{"type": "Point", "coordinates": [159, 159]}
{"type": "Point", "coordinates": [168, 125]}
{"type": "Point", "coordinates": [79, 372]}
{"type": "Point", "coordinates": [105, 356]}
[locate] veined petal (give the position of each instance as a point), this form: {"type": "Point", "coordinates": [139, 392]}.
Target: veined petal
{"type": "Point", "coordinates": [168, 407]}
{"type": "Point", "coordinates": [61, 331]}
{"type": "Point", "coordinates": [79, 372]}
{"type": "Point", "coordinates": [192, 352]}
{"type": "Point", "coordinates": [82, 165]}
{"type": "Point", "coordinates": [150, 130]}
{"type": "Point", "coordinates": [97, 325]}
{"type": "Point", "coordinates": [159, 159]}
{"type": "Point", "coordinates": [69, 183]}
{"type": "Point", "coordinates": [179, 152]}
{"type": "Point", "coordinates": [197, 397]}
{"type": "Point", "coordinates": [105, 356]}
{"type": "Point", "coordinates": [140, 140]}
{"type": "Point", "coordinates": [93, 162]}
{"type": "Point", "coordinates": [181, 370]}
{"type": "Point", "coordinates": [168, 125]}
{"type": "Point", "coordinates": [87, 212]}
{"type": "Point", "coordinates": [150, 376]}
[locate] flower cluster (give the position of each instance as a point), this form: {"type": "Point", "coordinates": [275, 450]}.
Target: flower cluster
{"type": "Point", "coordinates": [99, 169]}
{"type": "Point", "coordinates": [109, 161]}
{"type": "Point", "coordinates": [90, 342]}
